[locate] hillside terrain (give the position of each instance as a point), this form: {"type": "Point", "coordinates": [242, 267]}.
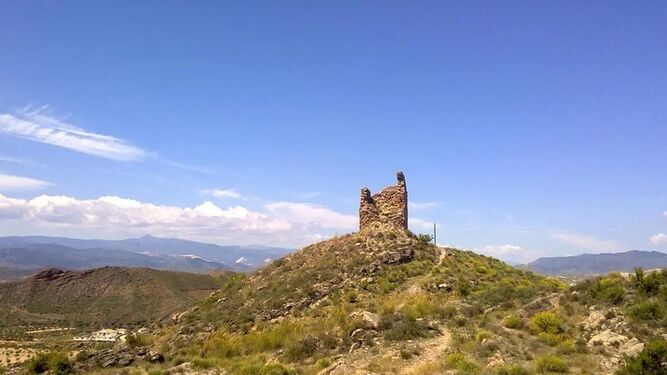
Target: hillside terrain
{"type": "Point", "coordinates": [598, 264]}
{"type": "Point", "coordinates": [386, 301]}
{"type": "Point", "coordinates": [379, 301]}
{"type": "Point", "coordinates": [109, 296]}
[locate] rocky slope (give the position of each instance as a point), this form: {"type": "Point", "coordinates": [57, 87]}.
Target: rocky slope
{"type": "Point", "coordinates": [384, 301]}
{"type": "Point", "coordinates": [379, 301]}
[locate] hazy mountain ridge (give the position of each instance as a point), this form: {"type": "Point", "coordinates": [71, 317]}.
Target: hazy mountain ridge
{"type": "Point", "coordinates": [40, 252]}
{"type": "Point", "coordinates": [40, 256]}
{"type": "Point", "coordinates": [598, 264]}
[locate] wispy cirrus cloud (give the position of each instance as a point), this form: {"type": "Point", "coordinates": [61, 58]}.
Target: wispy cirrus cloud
{"type": "Point", "coordinates": [222, 193]}
{"type": "Point", "coordinates": [42, 128]}
{"type": "Point", "coordinates": [14, 183]}
{"type": "Point", "coordinates": [15, 160]}
{"type": "Point", "coordinates": [585, 242]}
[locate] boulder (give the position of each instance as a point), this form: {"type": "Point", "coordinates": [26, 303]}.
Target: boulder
{"type": "Point", "coordinates": [155, 357]}
{"type": "Point", "coordinates": [371, 320]}
{"type": "Point", "coordinates": [594, 321]}
{"type": "Point", "coordinates": [632, 347]}
{"type": "Point", "coordinates": [608, 338]}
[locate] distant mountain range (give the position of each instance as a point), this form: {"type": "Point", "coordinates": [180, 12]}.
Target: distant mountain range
{"type": "Point", "coordinates": [596, 264]}
{"type": "Point", "coordinates": [22, 256]}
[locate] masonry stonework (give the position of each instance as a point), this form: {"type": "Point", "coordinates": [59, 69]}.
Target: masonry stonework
{"type": "Point", "coordinates": [388, 206]}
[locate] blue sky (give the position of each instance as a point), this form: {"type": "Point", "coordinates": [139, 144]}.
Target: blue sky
{"type": "Point", "coordinates": [524, 128]}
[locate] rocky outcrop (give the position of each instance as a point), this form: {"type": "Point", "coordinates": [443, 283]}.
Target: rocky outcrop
{"type": "Point", "coordinates": [388, 206]}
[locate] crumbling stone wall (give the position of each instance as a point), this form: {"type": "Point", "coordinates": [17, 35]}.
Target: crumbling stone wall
{"type": "Point", "coordinates": [388, 206]}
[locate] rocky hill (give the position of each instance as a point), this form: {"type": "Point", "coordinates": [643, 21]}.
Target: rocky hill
{"type": "Point", "coordinates": [386, 301]}
{"type": "Point", "coordinates": [109, 296]}
{"type": "Point", "coordinates": [598, 264]}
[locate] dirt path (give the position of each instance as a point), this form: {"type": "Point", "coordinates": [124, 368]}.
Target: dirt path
{"type": "Point", "coordinates": [359, 361]}
{"type": "Point", "coordinates": [443, 254]}
{"type": "Point", "coordinates": [432, 350]}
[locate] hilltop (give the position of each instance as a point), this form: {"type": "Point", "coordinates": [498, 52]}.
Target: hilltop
{"type": "Point", "coordinates": [381, 300]}
{"type": "Point", "coordinates": [351, 301]}
{"type": "Point", "coordinates": [108, 296]}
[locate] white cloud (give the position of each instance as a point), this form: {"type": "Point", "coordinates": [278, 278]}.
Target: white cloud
{"type": "Point", "coordinates": [14, 183]}
{"type": "Point", "coordinates": [658, 239]}
{"type": "Point", "coordinates": [312, 215]}
{"type": "Point", "coordinates": [420, 224]}
{"type": "Point", "coordinates": [222, 193]}
{"type": "Point", "coordinates": [45, 129]}
{"type": "Point", "coordinates": [423, 205]}
{"type": "Point", "coordinates": [512, 253]}
{"type": "Point", "coordinates": [280, 224]}
{"type": "Point", "coordinates": [585, 242]}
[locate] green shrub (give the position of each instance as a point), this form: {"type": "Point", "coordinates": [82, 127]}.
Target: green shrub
{"type": "Point", "coordinates": [38, 364]}
{"type": "Point", "coordinates": [550, 363]}
{"type": "Point", "coordinates": [400, 327]}
{"type": "Point", "coordinates": [513, 321]}
{"type": "Point", "coordinates": [482, 335]}
{"type": "Point", "coordinates": [647, 311]}
{"type": "Point", "coordinates": [464, 366]}
{"type": "Point", "coordinates": [462, 288]}
{"type": "Point", "coordinates": [275, 369]}
{"type": "Point", "coordinates": [55, 362]}
{"type": "Point", "coordinates": [567, 347]}
{"type": "Point", "coordinates": [302, 349]}
{"type": "Point", "coordinates": [223, 344]}
{"type": "Point", "coordinates": [512, 370]}
{"type": "Point", "coordinates": [424, 239]}
{"type": "Point", "coordinates": [607, 289]}
{"type": "Point", "coordinates": [547, 322]}
{"type": "Point", "coordinates": [203, 363]}
{"type": "Point", "coordinates": [651, 361]}
{"type": "Point", "coordinates": [134, 340]}
{"type": "Point", "coordinates": [550, 338]}
{"type": "Point", "coordinates": [323, 363]}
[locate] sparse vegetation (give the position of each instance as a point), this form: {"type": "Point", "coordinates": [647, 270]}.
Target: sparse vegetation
{"type": "Point", "coordinates": [550, 363]}
{"type": "Point", "coordinates": [398, 297]}
{"type": "Point", "coordinates": [651, 361]}
{"type": "Point", "coordinates": [547, 322]}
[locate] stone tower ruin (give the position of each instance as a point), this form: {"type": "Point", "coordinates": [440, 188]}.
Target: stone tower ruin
{"type": "Point", "coordinates": [388, 206]}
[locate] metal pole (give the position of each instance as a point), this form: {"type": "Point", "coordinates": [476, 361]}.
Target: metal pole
{"type": "Point", "coordinates": [435, 238]}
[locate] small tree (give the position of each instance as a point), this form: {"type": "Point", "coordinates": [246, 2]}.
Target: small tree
{"type": "Point", "coordinates": [425, 238]}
